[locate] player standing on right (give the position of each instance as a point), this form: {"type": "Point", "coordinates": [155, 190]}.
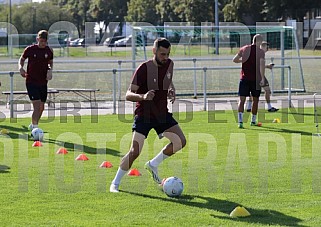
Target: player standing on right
{"type": "Point", "coordinates": [264, 46]}
{"type": "Point", "coordinates": [252, 58]}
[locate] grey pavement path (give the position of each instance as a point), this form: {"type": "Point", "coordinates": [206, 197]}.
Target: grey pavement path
{"type": "Point", "coordinates": [182, 105]}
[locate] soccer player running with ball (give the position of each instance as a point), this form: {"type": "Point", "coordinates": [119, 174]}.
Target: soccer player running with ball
{"type": "Point", "coordinates": [150, 87]}
{"type": "Point", "coordinates": [252, 78]}
{"type": "Point", "coordinates": [39, 71]}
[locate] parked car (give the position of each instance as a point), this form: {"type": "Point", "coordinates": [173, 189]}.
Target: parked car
{"type": "Point", "coordinates": [80, 42]}
{"type": "Point", "coordinates": [110, 41]}
{"type": "Point", "coordinates": [74, 43]}
{"type": "Point", "coordinates": [127, 41]}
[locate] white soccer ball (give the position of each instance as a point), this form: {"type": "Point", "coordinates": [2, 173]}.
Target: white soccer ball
{"type": "Point", "coordinates": [37, 134]}
{"type": "Point", "coordinates": [173, 186]}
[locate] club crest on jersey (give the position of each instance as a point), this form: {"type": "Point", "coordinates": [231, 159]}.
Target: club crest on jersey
{"type": "Point", "coordinates": [34, 55]}
{"type": "Point", "coordinates": [46, 55]}
{"type": "Point", "coordinates": [169, 75]}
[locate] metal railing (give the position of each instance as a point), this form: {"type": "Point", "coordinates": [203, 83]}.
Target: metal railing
{"type": "Point", "coordinates": [115, 87]}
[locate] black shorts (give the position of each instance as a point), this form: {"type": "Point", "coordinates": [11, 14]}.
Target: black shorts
{"type": "Point", "coordinates": [143, 125]}
{"type": "Point", "coordinates": [247, 88]}
{"type": "Point", "coordinates": [37, 92]}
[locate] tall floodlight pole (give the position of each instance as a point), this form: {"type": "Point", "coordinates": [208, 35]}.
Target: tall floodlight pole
{"type": "Point", "coordinates": [216, 27]}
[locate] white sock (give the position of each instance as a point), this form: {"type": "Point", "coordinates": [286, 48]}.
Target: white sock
{"type": "Point", "coordinates": [158, 159]}
{"type": "Point", "coordinates": [249, 105]}
{"type": "Point", "coordinates": [119, 175]}
{"type": "Point", "coordinates": [35, 126]}
{"type": "Point", "coordinates": [269, 105]}
{"type": "Point", "coordinates": [240, 116]}
{"type": "Point", "coordinates": [253, 118]}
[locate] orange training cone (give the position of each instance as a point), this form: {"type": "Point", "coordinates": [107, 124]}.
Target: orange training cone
{"type": "Point", "coordinates": [106, 165]}
{"type": "Point", "coordinates": [37, 144]}
{"type": "Point", "coordinates": [82, 157]}
{"type": "Point", "coordinates": [134, 172]}
{"type": "Point", "coordinates": [62, 150]}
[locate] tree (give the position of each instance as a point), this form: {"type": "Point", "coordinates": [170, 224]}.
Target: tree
{"type": "Point", "coordinates": [107, 11]}
{"type": "Point", "coordinates": [283, 9]}
{"type": "Point", "coordinates": [245, 11]}
{"type": "Point", "coordinates": [79, 11]}
{"type": "Point", "coordinates": [143, 11]}
{"type": "Point", "coordinates": [196, 11]}
{"type": "Point", "coordinates": [31, 17]}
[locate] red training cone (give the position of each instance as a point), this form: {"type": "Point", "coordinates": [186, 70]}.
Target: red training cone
{"type": "Point", "coordinates": [82, 157]}
{"type": "Point", "coordinates": [134, 172]}
{"type": "Point", "coordinates": [37, 144]}
{"type": "Point", "coordinates": [62, 150]}
{"type": "Point", "coordinates": [106, 165]}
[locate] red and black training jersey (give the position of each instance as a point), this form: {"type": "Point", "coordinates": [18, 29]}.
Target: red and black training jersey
{"type": "Point", "coordinates": [38, 60]}
{"type": "Point", "coordinates": [149, 76]}
{"type": "Point", "coordinates": [251, 55]}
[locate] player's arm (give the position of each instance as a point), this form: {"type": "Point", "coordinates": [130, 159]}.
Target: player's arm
{"type": "Point", "coordinates": [237, 58]}
{"type": "Point", "coordinates": [269, 66]}
{"type": "Point", "coordinates": [49, 72]}
{"type": "Point", "coordinates": [262, 69]}
{"type": "Point", "coordinates": [171, 93]}
{"type": "Point", "coordinates": [21, 63]}
{"type": "Point", "coordinates": [131, 94]}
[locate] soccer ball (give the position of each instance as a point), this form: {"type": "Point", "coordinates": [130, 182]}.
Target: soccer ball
{"type": "Point", "coordinates": [37, 134]}
{"type": "Point", "coordinates": [173, 186]}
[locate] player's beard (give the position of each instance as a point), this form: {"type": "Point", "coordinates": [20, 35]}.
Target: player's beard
{"type": "Point", "coordinates": [160, 63]}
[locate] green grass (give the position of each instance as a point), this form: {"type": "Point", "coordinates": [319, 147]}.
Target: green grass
{"type": "Point", "coordinates": [271, 170]}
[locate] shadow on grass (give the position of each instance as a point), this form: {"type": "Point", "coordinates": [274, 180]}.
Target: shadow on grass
{"type": "Point", "coordinates": [258, 216]}
{"type": "Point", "coordinates": [87, 149]}
{"type": "Point", "coordinates": [24, 133]}
{"type": "Point", "coordinates": [284, 130]}
{"type": "Point", "coordinates": [4, 169]}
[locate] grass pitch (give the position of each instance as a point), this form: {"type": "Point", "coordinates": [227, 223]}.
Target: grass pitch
{"type": "Point", "coordinates": [273, 171]}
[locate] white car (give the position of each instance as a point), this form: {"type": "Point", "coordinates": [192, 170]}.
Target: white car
{"type": "Point", "coordinates": [124, 42]}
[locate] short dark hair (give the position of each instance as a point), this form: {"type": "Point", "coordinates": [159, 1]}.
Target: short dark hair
{"type": "Point", "coordinates": [162, 42]}
{"type": "Point", "coordinates": [43, 34]}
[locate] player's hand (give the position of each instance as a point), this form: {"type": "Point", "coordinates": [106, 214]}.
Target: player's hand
{"type": "Point", "coordinates": [270, 66]}
{"type": "Point", "coordinates": [262, 83]}
{"type": "Point", "coordinates": [49, 74]}
{"type": "Point", "coordinates": [171, 95]}
{"type": "Point", "coordinates": [22, 72]}
{"type": "Point", "coordinates": [149, 95]}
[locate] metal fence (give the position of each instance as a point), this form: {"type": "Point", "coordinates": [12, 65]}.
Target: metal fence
{"type": "Point", "coordinates": [115, 75]}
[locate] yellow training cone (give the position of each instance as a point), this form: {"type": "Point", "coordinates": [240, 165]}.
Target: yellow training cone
{"type": "Point", "coordinates": [4, 131]}
{"type": "Point", "coordinates": [276, 120]}
{"type": "Point", "coordinates": [239, 212]}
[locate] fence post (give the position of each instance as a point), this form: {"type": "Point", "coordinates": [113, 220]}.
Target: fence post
{"type": "Point", "coordinates": [195, 82]}
{"type": "Point", "coordinates": [290, 86]}
{"type": "Point", "coordinates": [119, 80]}
{"type": "Point", "coordinates": [11, 94]}
{"type": "Point", "coordinates": [204, 88]}
{"type": "Point", "coordinates": [114, 90]}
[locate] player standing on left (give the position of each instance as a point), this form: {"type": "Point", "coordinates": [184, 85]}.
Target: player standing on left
{"type": "Point", "coordinates": [39, 71]}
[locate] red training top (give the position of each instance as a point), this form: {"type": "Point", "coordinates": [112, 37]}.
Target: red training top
{"type": "Point", "coordinates": [148, 76]}
{"type": "Point", "coordinates": [251, 55]}
{"type": "Point", "coordinates": [38, 60]}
